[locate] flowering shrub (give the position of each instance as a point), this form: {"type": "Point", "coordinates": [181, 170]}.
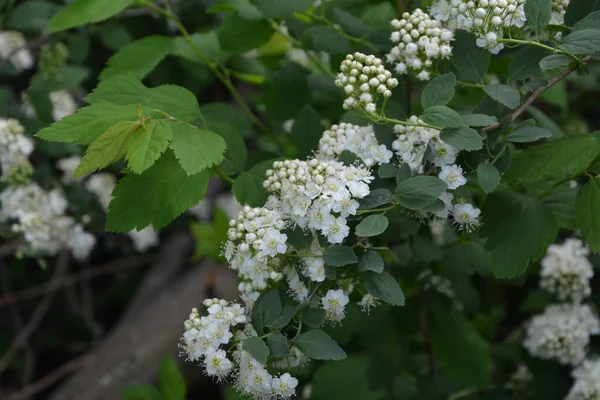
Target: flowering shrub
{"type": "Point", "coordinates": [397, 179]}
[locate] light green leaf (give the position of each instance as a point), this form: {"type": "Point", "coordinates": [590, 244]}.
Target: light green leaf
{"type": "Point", "coordinates": [538, 13]}
{"type": "Point", "coordinates": [587, 213]}
{"type": "Point", "coordinates": [157, 196]}
{"type": "Point", "coordinates": [586, 41]}
{"type": "Point", "coordinates": [281, 8]}
{"type": "Point", "coordinates": [384, 286]}
{"type": "Point", "coordinates": [527, 134]}
{"type": "Point", "coordinates": [139, 57]}
{"type": "Point", "coordinates": [463, 138]}
{"type": "Point", "coordinates": [307, 131]}
{"type": "Point", "coordinates": [488, 177]}
{"type": "Point", "coordinates": [518, 229]}
{"type": "Point", "coordinates": [141, 392]}
{"type": "Point", "coordinates": [504, 94]}
{"type": "Point", "coordinates": [110, 147]}
{"type": "Point", "coordinates": [479, 120]}
{"type": "Point", "coordinates": [591, 21]}
{"type": "Point", "coordinates": [145, 146]}
{"type": "Point", "coordinates": [439, 91]}
{"type": "Point", "coordinates": [442, 117]}
{"type": "Point", "coordinates": [248, 186]}
{"type": "Point", "coordinates": [526, 63]}
{"type": "Point", "coordinates": [373, 225]}
{"type": "Point", "coordinates": [33, 14]}
{"type": "Point", "coordinates": [370, 261]}
{"type": "Point", "coordinates": [318, 345]}
{"type": "Point", "coordinates": [325, 38]}
{"type": "Point", "coordinates": [555, 61]}
{"type": "Point", "coordinates": [171, 381]}
{"type": "Point", "coordinates": [246, 9]}
{"type": "Point", "coordinates": [196, 149]}
{"type": "Point", "coordinates": [239, 35]}
{"type": "Point", "coordinates": [339, 255]}
{"type": "Point", "coordinates": [81, 12]}
{"type": "Point", "coordinates": [470, 61]}
{"type": "Point", "coordinates": [257, 349]}
{"type": "Point", "coordinates": [419, 191]}
{"type": "Point", "coordinates": [278, 345]}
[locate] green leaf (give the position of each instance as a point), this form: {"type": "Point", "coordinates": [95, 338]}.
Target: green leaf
{"type": "Point", "coordinates": [451, 333]}
{"type": "Point", "coordinates": [376, 198]}
{"type": "Point", "coordinates": [349, 379]}
{"type": "Point", "coordinates": [225, 113]}
{"type": "Point", "coordinates": [587, 213]}
{"type": "Point", "coordinates": [349, 23]}
{"type": "Point", "coordinates": [299, 238]}
{"type": "Point", "coordinates": [88, 123]}
{"type": "Point", "coordinates": [538, 13]}
{"type": "Point", "coordinates": [373, 225]}
{"type": "Point", "coordinates": [504, 94]}
{"type": "Point", "coordinates": [289, 78]}
{"type": "Point", "coordinates": [479, 120]}
{"type": "Point", "coordinates": [307, 131]}
{"type": "Point", "coordinates": [318, 345]}
{"type": "Point", "coordinates": [578, 9]}
{"type": "Point", "coordinates": [591, 21]}
{"type": "Point", "coordinates": [404, 172]}
{"type": "Point", "coordinates": [266, 310]}
{"type": "Point", "coordinates": [115, 37]}
{"type": "Point", "coordinates": [257, 349]}
{"type": "Point", "coordinates": [555, 61]}
{"type": "Point", "coordinates": [488, 177]}
{"type": "Point", "coordinates": [139, 57]}
{"type": "Point", "coordinates": [157, 196]}
{"type": "Point", "coordinates": [33, 14]}
{"type": "Point", "coordinates": [196, 149]}
{"type": "Point", "coordinates": [208, 42]}
{"type": "Point", "coordinates": [248, 187]}
{"type": "Point", "coordinates": [439, 91]}
{"type": "Point", "coordinates": [526, 62]}
{"type": "Point", "coordinates": [281, 8]}
{"type": "Point", "coordinates": [518, 229]}
{"type": "Point", "coordinates": [554, 160]}
{"type": "Point", "coordinates": [527, 134]}
{"type": "Point", "coordinates": [239, 35]}
{"type": "Point", "coordinates": [284, 318]}
{"type": "Point", "coordinates": [325, 38]}
{"type": "Point", "coordinates": [384, 286]}
{"type": "Point", "coordinates": [81, 12]}
{"type": "Point", "coordinates": [235, 154]}
{"type": "Point", "coordinates": [463, 138]}
{"type": "Point", "coordinates": [171, 381]}
{"type": "Point", "coordinates": [470, 61]}
{"type": "Point", "coordinates": [370, 261]}
{"type": "Point", "coordinates": [339, 256]}
{"type": "Point", "coordinates": [585, 42]}
{"type": "Point", "coordinates": [246, 9]}
{"type": "Point", "coordinates": [387, 171]}
{"type": "Point", "coordinates": [146, 145]}
{"type": "Point", "coordinates": [313, 317]}
{"type": "Point", "coordinates": [442, 117]}
{"type": "Point", "coordinates": [110, 147]}
{"type": "Point", "coordinates": [278, 345]}
{"type": "Point", "coordinates": [419, 191]}
{"type": "Point", "coordinates": [141, 392]}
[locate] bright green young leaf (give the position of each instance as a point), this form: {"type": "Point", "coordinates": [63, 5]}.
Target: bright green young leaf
{"type": "Point", "coordinates": [538, 13]}
{"type": "Point", "coordinates": [307, 131]}
{"type": "Point", "coordinates": [375, 198]}
{"type": "Point", "coordinates": [289, 78]}
{"type": "Point", "coordinates": [171, 381]}
{"type": "Point", "coordinates": [239, 35]}
{"type": "Point", "coordinates": [31, 15]}
{"type": "Point", "coordinates": [248, 186]}
{"type": "Point", "coordinates": [325, 38]}
{"type": "Point", "coordinates": [370, 261]}
{"type": "Point", "coordinates": [373, 225]}
{"type": "Point", "coordinates": [591, 21]}
{"type": "Point", "coordinates": [555, 61]}
{"type": "Point", "coordinates": [139, 57]}
{"type": "Point", "coordinates": [527, 134]}
{"type": "Point", "coordinates": [235, 154]}
{"type": "Point", "coordinates": [157, 196]}
{"type": "Point", "coordinates": [145, 146]}
{"type": "Point", "coordinates": [504, 94]}
{"type": "Point", "coordinates": [281, 8]}
{"type": "Point", "coordinates": [278, 345]}
{"type": "Point", "coordinates": [578, 9]}
{"type": "Point", "coordinates": [110, 147]}
{"type": "Point", "coordinates": [81, 12]}
{"type": "Point", "coordinates": [257, 349]}
{"type": "Point", "coordinates": [470, 61]}
{"type": "Point", "coordinates": [339, 255]}
{"type": "Point", "coordinates": [587, 213]}
{"type": "Point", "coordinates": [384, 286]}
{"type": "Point", "coordinates": [439, 91]}
{"type": "Point", "coordinates": [479, 120]}
{"type": "Point", "coordinates": [442, 117]}
{"type": "Point", "coordinates": [141, 392]}
{"type": "Point", "coordinates": [518, 229]}
{"type": "Point", "coordinates": [488, 177]}
{"type": "Point", "coordinates": [245, 8]}
{"type": "Point", "coordinates": [196, 149]}
{"type": "Point", "coordinates": [526, 63]}
{"type": "Point", "coordinates": [266, 310]}
{"type": "Point", "coordinates": [318, 345]}
{"type": "Point", "coordinates": [463, 138]}
{"type": "Point", "coordinates": [586, 41]}
{"type": "Point", "coordinates": [419, 191]}
{"type": "Point", "coordinates": [313, 317]}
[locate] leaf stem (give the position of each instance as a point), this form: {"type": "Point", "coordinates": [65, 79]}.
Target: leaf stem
{"type": "Point", "coordinates": [374, 210]}
{"type": "Point", "coordinates": [542, 46]}
{"type": "Point", "coordinates": [222, 174]}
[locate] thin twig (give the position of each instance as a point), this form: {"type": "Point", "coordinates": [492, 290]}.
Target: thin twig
{"type": "Point", "coordinates": [62, 265]}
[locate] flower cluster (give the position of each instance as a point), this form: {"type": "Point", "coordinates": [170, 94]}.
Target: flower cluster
{"type": "Point", "coordinates": [487, 19]}
{"type": "Point", "coordinates": [566, 271]}
{"type": "Point", "coordinates": [559, 8]}
{"type": "Point", "coordinates": [317, 194]}
{"type": "Point", "coordinates": [360, 140]}
{"type": "Point", "coordinates": [419, 41]}
{"type": "Point", "coordinates": [562, 332]}
{"type": "Point", "coordinates": [587, 381]}
{"type": "Point", "coordinates": [63, 105]}
{"type": "Point", "coordinates": [14, 47]}
{"type": "Point", "coordinates": [14, 150]}
{"type": "Point", "coordinates": [363, 78]}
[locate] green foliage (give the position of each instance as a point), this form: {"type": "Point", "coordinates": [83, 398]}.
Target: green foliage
{"type": "Point", "coordinates": [538, 13]}
{"type": "Point", "coordinates": [257, 349]}
{"type": "Point", "coordinates": [488, 177]}
{"type": "Point", "coordinates": [141, 392]}
{"type": "Point", "coordinates": [353, 386]}
{"type": "Point", "coordinates": [383, 286]}
{"type": "Point", "coordinates": [442, 117]}
{"type": "Point", "coordinates": [418, 192]}
{"type": "Point", "coordinates": [248, 186]}
{"type": "Point", "coordinates": [586, 41]}
{"type": "Point", "coordinates": [31, 15]}
{"type": "Point", "coordinates": [281, 8]}
{"type": "Point", "coordinates": [313, 317]}
{"type": "Point", "coordinates": [266, 310]}
{"type": "Point", "coordinates": [234, 159]}
{"type": "Point", "coordinates": [587, 213]}
{"type": "Point", "coordinates": [325, 38]}
{"type": "Point", "coordinates": [578, 9]}
{"type": "Point", "coordinates": [470, 62]}
{"type": "Point", "coordinates": [82, 12]}
{"type": "Point", "coordinates": [439, 91]}
{"type": "Point", "coordinates": [245, 8]}
{"type": "Point", "coordinates": [526, 62]}
{"type": "Point", "coordinates": [463, 138]}
{"type": "Point", "coordinates": [377, 197]}
{"type": "Point", "coordinates": [209, 237]}
{"type": "Point", "coordinates": [278, 345]}
{"type": "Point", "coordinates": [144, 146]}
{"type": "Point", "coordinates": [503, 94]}
{"type": "Point", "coordinates": [591, 21]}
{"type": "Point", "coordinates": [370, 261]}
{"type": "Point", "coordinates": [289, 78]}
{"type": "Point", "coordinates": [318, 345]}
{"type": "Point", "coordinates": [339, 255]}
{"type": "Point", "coordinates": [373, 225]}
{"type": "Point", "coordinates": [526, 134]}
{"type": "Point", "coordinates": [479, 120]}
{"type": "Point", "coordinates": [196, 149]}
{"type": "Point", "coordinates": [307, 131]}
{"type": "Point", "coordinates": [239, 35]}
{"type": "Point", "coordinates": [555, 61]}
{"type": "Point", "coordinates": [171, 381]}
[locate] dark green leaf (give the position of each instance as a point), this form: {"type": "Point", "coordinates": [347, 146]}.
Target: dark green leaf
{"type": "Point", "coordinates": [538, 13]}
{"type": "Point", "coordinates": [376, 198]}
{"type": "Point", "coordinates": [248, 186]}
{"type": "Point", "coordinates": [115, 37]}
{"type": "Point", "coordinates": [587, 213]}
{"type": "Point", "coordinates": [441, 117]}
{"type": "Point", "coordinates": [469, 60]}
{"type": "Point", "coordinates": [299, 238]}
{"type": "Point", "coordinates": [284, 318]}
{"type": "Point", "coordinates": [584, 42]}
{"type": "Point", "coordinates": [239, 35]}
{"type": "Point", "coordinates": [339, 256]}
{"type": "Point", "coordinates": [289, 78]}
{"type": "Point", "coordinates": [370, 261]}
{"type": "Point", "coordinates": [384, 286]}
{"type": "Point", "coordinates": [225, 113]}
{"type": "Point", "coordinates": [463, 138]}
{"type": "Point", "coordinates": [349, 23]}
{"type": "Point", "coordinates": [526, 63]}
{"type": "Point", "coordinates": [479, 120]}
{"type": "Point", "coordinates": [591, 21]}
{"type": "Point", "coordinates": [257, 349]}
{"type": "Point", "coordinates": [578, 9]}
{"type": "Point", "coordinates": [281, 8]}
{"type": "Point", "coordinates": [139, 57]}
{"type": "Point", "coordinates": [348, 379]}
{"type": "Point", "coordinates": [313, 317]}
{"type": "Point", "coordinates": [419, 191]}
{"type": "Point", "coordinates": [439, 91]}
{"type": "Point", "coordinates": [81, 12]}
{"type": "Point", "coordinates": [278, 345]}
{"type": "Point", "coordinates": [404, 172]}
{"type": "Point", "coordinates": [141, 392]}
{"type": "Point", "coordinates": [488, 177]}
{"type": "Point", "coordinates": [235, 154]}
{"type": "Point", "coordinates": [373, 225]}
{"type": "Point", "coordinates": [504, 94]}
{"type": "Point", "coordinates": [171, 381]}
{"type": "Point", "coordinates": [325, 38]}
{"type": "Point", "coordinates": [33, 14]}
{"type": "Point", "coordinates": [318, 345]}
{"type": "Point", "coordinates": [307, 131]}
{"type": "Point", "coordinates": [208, 42]}
{"type": "Point", "coordinates": [387, 171]}
{"type": "Point", "coordinates": [555, 61]}
{"type": "Point", "coordinates": [266, 310]}
{"type": "Point", "coordinates": [528, 134]}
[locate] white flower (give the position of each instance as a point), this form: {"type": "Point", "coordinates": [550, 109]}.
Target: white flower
{"type": "Point", "coordinates": [587, 381]}
{"type": "Point", "coordinates": [217, 364]}
{"type": "Point", "coordinates": [466, 216]}
{"type": "Point", "coordinates": [81, 243]}
{"type": "Point", "coordinates": [452, 175]}
{"type": "Point", "coordinates": [14, 47]}
{"type": "Point", "coordinates": [68, 166]}
{"type": "Point", "coordinates": [367, 302]}
{"type": "Point", "coordinates": [144, 239]}
{"type": "Point", "coordinates": [337, 230]}
{"type": "Point", "coordinates": [15, 147]}
{"type": "Point", "coordinates": [102, 185]}
{"type": "Point", "coordinates": [334, 303]}
{"type": "Point", "coordinates": [284, 385]}
{"type": "Point", "coordinates": [63, 104]}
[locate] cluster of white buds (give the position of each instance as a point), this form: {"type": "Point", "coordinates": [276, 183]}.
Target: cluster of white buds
{"type": "Point", "coordinates": [13, 46]}
{"type": "Point", "coordinates": [317, 194]}
{"type": "Point", "coordinates": [255, 241]}
{"type": "Point", "coordinates": [15, 147]}
{"type": "Point", "coordinates": [559, 8]}
{"type": "Point", "coordinates": [419, 41]}
{"type": "Point", "coordinates": [363, 78]}
{"type": "Point", "coordinates": [360, 140]}
{"type": "Point", "coordinates": [487, 19]}
{"type": "Point", "coordinates": [587, 381]}
{"type": "Point", "coordinates": [566, 271]}
{"type": "Point", "coordinates": [562, 332]}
